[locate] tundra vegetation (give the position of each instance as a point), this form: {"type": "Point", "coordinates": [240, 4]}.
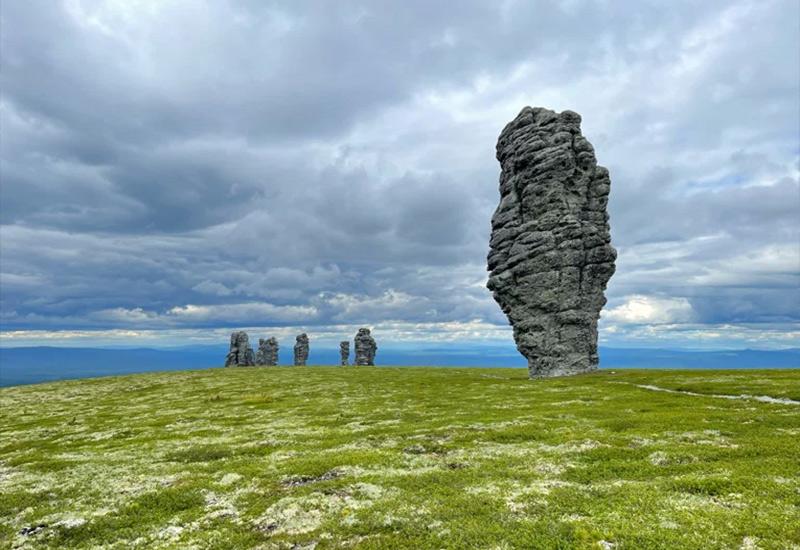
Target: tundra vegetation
{"type": "Point", "coordinates": [368, 457]}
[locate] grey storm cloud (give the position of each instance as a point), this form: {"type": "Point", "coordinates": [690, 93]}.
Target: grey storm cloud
{"type": "Point", "coordinates": [188, 164]}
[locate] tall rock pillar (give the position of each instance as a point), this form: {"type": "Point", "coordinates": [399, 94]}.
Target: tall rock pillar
{"type": "Point", "coordinates": [550, 253]}
{"type": "Point", "coordinates": [301, 350]}
{"type": "Point", "coordinates": [365, 348]}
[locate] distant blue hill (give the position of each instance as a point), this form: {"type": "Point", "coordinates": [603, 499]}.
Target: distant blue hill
{"type": "Point", "coordinates": [39, 364]}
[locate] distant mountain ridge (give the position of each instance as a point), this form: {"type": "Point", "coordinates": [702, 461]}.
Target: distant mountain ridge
{"type": "Point", "coordinates": [26, 365]}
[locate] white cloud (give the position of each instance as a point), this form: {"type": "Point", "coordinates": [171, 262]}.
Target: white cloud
{"type": "Point", "coordinates": [691, 335]}
{"type": "Point", "coordinates": [639, 309]}
{"type": "Point", "coordinates": [121, 314]}
{"type": "Point", "coordinates": [388, 332]}
{"type": "Point", "coordinates": [213, 288]}
{"type": "Point", "coordinates": [771, 264]}
{"type": "Point", "coordinates": [391, 304]}
{"type": "Point", "coordinates": [244, 312]}
{"type": "Point", "coordinates": [702, 336]}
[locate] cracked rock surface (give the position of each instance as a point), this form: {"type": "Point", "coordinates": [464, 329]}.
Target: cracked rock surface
{"type": "Point", "coordinates": [301, 350]}
{"type": "Point", "coordinates": [365, 348]}
{"type": "Point", "coordinates": [267, 353]}
{"type": "Point", "coordinates": [240, 353]}
{"type": "Point", "coordinates": [550, 255]}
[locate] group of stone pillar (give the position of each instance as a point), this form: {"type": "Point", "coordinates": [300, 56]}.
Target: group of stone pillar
{"type": "Point", "coordinates": [365, 349]}
{"type": "Point", "coordinates": [241, 354]}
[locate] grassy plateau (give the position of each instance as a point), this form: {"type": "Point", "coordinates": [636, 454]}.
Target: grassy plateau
{"type": "Point", "coordinates": [363, 457]}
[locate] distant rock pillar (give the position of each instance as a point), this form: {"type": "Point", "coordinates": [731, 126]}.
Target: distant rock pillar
{"type": "Point", "coordinates": [240, 353]}
{"type": "Point", "coordinates": [344, 351]}
{"type": "Point", "coordinates": [261, 354]}
{"type": "Point", "coordinates": [271, 351]}
{"type": "Point", "coordinates": [301, 350]}
{"type": "Point", "coordinates": [365, 348]}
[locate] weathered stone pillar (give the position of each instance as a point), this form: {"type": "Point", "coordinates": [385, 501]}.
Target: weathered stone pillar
{"type": "Point", "coordinates": [301, 350]}
{"type": "Point", "coordinates": [365, 348]}
{"type": "Point", "coordinates": [550, 252]}
{"type": "Point", "coordinates": [261, 353]}
{"type": "Point", "coordinates": [267, 354]}
{"type": "Point", "coordinates": [344, 351]}
{"type": "Point", "coordinates": [271, 353]}
{"type": "Point", "coordinates": [240, 353]}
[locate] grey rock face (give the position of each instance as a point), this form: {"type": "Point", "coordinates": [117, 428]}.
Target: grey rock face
{"type": "Point", "coordinates": [550, 252]}
{"type": "Point", "coordinates": [240, 354]}
{"type": "Point", "coordinates": [365, 348]}
{"type": "Point", "coordinates": [301, 350]}
{"type": "Point", "coordinates": [267, 353]}
{"type": "Point", "coordinates": [250, 357]}
{"type": "Point", "coordinates": [344, 351]}
{"type": "Point", "coordinates": [272, 351]}
{"type": "Point", "coordinates": [261, 358]}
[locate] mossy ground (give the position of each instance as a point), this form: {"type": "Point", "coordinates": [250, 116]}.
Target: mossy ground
{"type": "Point", "coordinates": [401, 458]}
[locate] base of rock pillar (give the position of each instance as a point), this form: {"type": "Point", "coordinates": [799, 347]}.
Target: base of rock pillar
{"type": "Point", "coordinates": [553, 367]}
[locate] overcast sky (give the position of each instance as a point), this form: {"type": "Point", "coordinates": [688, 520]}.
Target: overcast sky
{"type": "Point", "coordinates": [175, 169]}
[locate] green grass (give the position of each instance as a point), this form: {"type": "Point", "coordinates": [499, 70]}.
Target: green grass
{"type": "Point", "coordinates": [401, 458]}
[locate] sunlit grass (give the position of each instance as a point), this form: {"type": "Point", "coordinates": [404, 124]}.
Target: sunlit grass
{"type": "Point", "coordinates": [401, 458]}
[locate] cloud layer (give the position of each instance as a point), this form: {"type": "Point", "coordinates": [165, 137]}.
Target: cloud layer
{"type": "Point", "coordinates": [188, 165]}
